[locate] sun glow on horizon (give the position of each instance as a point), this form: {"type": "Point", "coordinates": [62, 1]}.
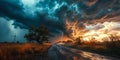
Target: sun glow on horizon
{"type": "Point", "coordinates": [96, 32]}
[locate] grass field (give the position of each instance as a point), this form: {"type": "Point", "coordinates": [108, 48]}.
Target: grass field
{"type": "Point", "coordinates": [104, 48]}
{"type": "Point", "coordinates": [22, 51]}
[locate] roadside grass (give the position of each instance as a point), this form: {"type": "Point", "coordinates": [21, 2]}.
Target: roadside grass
{"type": "Point", "coordinates": [108, 48]}
{"type": "Point", "coordinates": [22, 51]}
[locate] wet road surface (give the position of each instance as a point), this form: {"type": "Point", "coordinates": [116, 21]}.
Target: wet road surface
{"type": "Point", "coordinates": [59, 52]}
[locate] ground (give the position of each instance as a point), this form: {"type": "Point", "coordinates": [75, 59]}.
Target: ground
{"type": "Point", "coordinates": [105, 48]}
{"type": "Point", "coordinates": [22, 51]}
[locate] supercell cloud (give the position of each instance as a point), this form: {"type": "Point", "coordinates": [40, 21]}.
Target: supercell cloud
{"type": "Point", "coordinates": [16, 16]}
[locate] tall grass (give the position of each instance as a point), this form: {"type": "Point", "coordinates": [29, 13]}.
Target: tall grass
{"type": "Point", "coordinates": [109, 47]}
{"type": "Point", "coordinates": [27, 51]}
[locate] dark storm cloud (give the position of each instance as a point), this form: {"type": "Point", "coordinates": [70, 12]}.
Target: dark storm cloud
{"type": "Point", "coordinates": [4, 24]}
{"type": "Point", "coordinates": [14, 9]}
{"type": "Point", "coordinates": [57, 9]}
{"type": "Point", "coordinates": [53, 13]}
{"type": "Point", "coordinates": [8, 31]}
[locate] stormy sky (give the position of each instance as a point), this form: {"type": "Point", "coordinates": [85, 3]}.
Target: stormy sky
{"type": "Point", "coordinates": [16, 16]}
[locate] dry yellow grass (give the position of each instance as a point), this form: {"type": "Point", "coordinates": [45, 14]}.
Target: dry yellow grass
{"type": "Point", "coordinates": [26, 51]}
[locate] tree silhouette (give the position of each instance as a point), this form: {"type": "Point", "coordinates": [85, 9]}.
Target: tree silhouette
{"type": "Point", "coordinates": [78, 41]}
{"type": "Point", "coordinates": [39, 34]}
